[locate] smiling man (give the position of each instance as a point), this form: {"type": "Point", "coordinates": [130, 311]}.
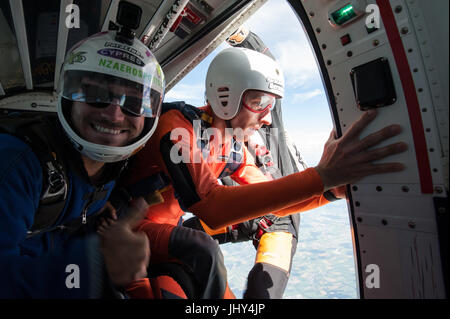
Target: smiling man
{"type": "Point", "coordinates": [116, 126]}
{"type": "Point", "coordinates": [57, 173]}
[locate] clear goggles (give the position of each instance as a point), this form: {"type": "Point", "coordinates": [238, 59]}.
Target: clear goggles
{"type": "Point", "coordinates": [101, 90]}
{"type": "Point", "coordinates": [258, 101]}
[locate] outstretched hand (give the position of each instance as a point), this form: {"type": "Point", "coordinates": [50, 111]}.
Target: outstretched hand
{"type": "Point", "coordinates": [126, 253]}
{"type": "Point", "coordinates": [347, 159]}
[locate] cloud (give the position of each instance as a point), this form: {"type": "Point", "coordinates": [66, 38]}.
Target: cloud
{"type": "Point", "coordinates": [194, 93]}
{"type": "Point", "coordinates": [275, 19]}
{"type": "Point", "coordinates": [304, 96]}
{"type": "Point", "coordinates": [309, 144]}
{"type": "Point", "coordinates": [298, 63]}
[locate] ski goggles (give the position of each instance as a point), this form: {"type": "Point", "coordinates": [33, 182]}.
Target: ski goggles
{"type": "Point", "coordinates": [258, 101]}
{"type": "Point", "coordinates": [134, 99]}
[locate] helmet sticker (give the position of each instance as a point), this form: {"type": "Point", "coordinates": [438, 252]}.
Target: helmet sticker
{"type": "Point", "coordinates": [124, 47]}
{"type": "Point", "coordinates": [159, 71]}
{"type": "Point", "coordinates": [125, 68]}
{"type": "Point", "coordinates": [121, 55]}
{"type": "Point", "coordinates": [275, 84]}
{"type": "Point", "coordinates": [77, 57]}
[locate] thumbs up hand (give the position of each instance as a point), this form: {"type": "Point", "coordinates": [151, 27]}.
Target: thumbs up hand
{"type": "Point", "coordinates": [126, 252]}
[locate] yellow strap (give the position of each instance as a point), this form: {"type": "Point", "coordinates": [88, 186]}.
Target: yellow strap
{"type": "Point", "coordinates": [212, 232]}
{"type": "Point", "coordinates": [205, 117]}
{"type": "Point", "coordinates": [156, 197]}
{"type": "Point", "coordinates": [275, 249]}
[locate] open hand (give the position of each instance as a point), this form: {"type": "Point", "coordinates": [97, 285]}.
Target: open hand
{"type": "Point", "coordinates": [347, 159]}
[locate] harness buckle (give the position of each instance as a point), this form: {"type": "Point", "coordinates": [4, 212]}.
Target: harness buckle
{"type": "Point", "coordinates": [57, 185]}
{"type": "Point", "coordinates": [263, 226]}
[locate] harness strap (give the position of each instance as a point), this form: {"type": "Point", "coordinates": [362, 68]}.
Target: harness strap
{"type": "Point", "coordinates": [76, 224]}
{"type": "Point", "coordinates": [263, 226]}
{"type": "Point", "coordinates": [192, 113]}
{"type": "Point", "coordinates": [151, 183]}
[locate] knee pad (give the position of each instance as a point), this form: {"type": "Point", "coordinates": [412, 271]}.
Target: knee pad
{"type": "Point", "coordinates": [276, 249]}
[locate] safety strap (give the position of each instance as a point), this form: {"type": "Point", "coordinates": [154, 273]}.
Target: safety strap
{"type": "Point", "coordinates": [234, 161]}
{"type": "Point", "coordinates": [263, 159]}
{"type": "Point", "coordinates": [154, 182]}
{"type": "Point", "coordinates": [263, 227]}
{"type": "Point", "coordinates": [192, 113]}
{"type": "Point", "coordinates": [76, 224]}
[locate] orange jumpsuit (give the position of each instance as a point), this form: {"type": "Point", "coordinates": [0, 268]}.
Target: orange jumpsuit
{"type": "Point", "coordinates": [215, 204]}
{"type": "Point", "coordinates": [194, 184]}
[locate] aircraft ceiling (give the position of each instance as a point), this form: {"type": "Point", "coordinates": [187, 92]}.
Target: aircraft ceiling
{"type": "Point", "coordinates": [35, 35]}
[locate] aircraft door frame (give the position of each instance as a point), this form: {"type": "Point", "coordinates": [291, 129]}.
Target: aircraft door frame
{"type": "Point", "coordinates": [399, 221]}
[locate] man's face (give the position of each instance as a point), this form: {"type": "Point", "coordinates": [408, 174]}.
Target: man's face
{"type": "Point", "coordinates": [250, 121]}
{"type": "Point", "coordinates": [108, 125]}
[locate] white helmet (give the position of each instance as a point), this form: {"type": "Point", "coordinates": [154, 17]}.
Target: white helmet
{"type": "Point", "coordinates": [108, 64]}
{"type": "Point", "coordinates": [236, 70]}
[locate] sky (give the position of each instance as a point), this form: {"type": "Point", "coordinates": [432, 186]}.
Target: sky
{"type": "Point", "coordinates": [305, 108]}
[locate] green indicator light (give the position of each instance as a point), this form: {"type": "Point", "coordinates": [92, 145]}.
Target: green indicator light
{"type": "Point", "coordinates": [343, 14]}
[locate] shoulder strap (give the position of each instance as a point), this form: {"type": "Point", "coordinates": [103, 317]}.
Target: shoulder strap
{"type": "Point", "coordinates": [38, 131]}
{"type": "Point", "coordinates": [234, 161]}
{"type": "Point", "coordinates": [192, 113]}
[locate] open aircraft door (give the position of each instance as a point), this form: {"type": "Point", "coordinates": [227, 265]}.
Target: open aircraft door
{"type": "Point", "coordinates": [393, 56]}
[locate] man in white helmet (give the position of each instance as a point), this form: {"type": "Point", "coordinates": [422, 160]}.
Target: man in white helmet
{"type": "Point", "coordinates": [196, 147]}
{"type": "Point", "coordinates": [56, 175]}
{"type": "Point", "coordinates": [274, 238]}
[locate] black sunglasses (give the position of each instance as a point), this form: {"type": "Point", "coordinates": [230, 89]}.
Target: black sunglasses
{"type": "Point", "coordinates": [92, 95]}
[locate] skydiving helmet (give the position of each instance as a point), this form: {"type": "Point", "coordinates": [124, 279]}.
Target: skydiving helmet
{"type": "Point", "coordinates": [101, 70]}
{"type": "Point", "coordinates": [236, 70]}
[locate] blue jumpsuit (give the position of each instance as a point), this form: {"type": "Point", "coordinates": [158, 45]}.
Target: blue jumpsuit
{"type": "Point", "coordinates": [43, 266]}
